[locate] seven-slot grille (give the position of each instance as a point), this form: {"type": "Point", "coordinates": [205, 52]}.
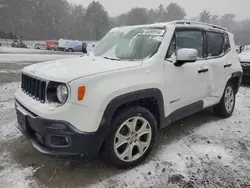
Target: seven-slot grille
{"type": "Point", "coordinates": [34, 87]}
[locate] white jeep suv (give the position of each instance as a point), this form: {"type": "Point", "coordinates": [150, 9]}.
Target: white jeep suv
{"type": "Point", "coordinates": [133, 83]}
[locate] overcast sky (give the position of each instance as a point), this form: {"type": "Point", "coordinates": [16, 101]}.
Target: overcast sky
{"type": "Point", "coordinates": [193, 7]}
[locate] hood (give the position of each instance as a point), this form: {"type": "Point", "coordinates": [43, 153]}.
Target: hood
{"type": "Point", "coordinates": [66, 70]}
{"type": "Point", "coordinates": [245, 56]}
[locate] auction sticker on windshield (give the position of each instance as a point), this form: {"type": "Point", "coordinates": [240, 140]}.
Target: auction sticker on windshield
{"type": "Point", "coordinates": [155, 32]}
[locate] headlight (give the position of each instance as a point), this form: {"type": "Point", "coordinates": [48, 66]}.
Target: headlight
{"type": "Point", "coordinates": [62, 93]}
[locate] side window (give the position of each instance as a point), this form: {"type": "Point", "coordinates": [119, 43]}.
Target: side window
{"type": "Point", "coordinates": [190, 39]}
{"type": "Point", "coordinates": [227, 46]}
{"type": "Point", "coordinates": [214, 43]}
{"type": "Point", "coordinates": [187, 39]}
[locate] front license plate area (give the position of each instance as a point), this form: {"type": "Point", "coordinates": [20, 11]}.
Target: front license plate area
{"type": "Point", "coordinates": [21, 120]}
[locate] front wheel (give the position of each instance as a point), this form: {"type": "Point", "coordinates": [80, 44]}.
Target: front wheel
{"type": "Point", "coordinates": [130, 138]}
{"type": "Point", "coordinates": [227, 103]}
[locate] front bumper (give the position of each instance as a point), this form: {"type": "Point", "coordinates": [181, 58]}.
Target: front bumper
{"type": "Point", "coordinates": [57, 138]}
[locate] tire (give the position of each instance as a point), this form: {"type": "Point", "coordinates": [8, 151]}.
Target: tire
{"type": "Point", "coordinates": [52, 49]}
{"type": "Point", "coordinates": [71, 50]}
{"type": "Point", "coordinates": [118, 128]}
{"type": "Point", "coordinates": [227, 103]}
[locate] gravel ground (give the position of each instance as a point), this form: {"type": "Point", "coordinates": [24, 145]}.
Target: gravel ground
{"type": "Point", "coordinates": [199, 151]}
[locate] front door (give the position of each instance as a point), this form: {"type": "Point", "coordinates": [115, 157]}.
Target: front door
{"type": "Point", "coordinates": [187, 85]}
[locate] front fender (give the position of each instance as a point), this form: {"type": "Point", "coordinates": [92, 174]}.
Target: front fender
{"type": "Point", "coordinates": [127, 98]}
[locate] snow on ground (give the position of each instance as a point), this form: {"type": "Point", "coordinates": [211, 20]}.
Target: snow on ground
{"type": "Point", "coordinates": [10, 71]}
{"type": "Point", "coordinates": [20, 50]}
{"type": "Point", "coordinates": [7, 122]}
{"type": "Point", "coordinates": [214, 153]}
{"type": "Point", "coordinates": [13, 175]}
{"type": "Point", "coordinates": [13, 58]}
{"type": "Point", "coordinates": [10, 50]}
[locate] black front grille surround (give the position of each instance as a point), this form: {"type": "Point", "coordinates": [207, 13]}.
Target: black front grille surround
{"type": "Point", "coordinates": [34, 87]}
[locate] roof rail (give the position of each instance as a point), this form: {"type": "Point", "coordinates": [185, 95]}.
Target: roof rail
{"type": "Point", "coordinates": [186, 22]}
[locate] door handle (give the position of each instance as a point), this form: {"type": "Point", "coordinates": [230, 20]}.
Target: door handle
{"type": "Point", "coordinates": [203, 70]}
{"type": "Point", "coordinates": [227, 65]}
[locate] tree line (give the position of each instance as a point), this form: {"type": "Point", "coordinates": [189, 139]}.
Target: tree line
{"type": "Point", "coordinates": [53, 19]}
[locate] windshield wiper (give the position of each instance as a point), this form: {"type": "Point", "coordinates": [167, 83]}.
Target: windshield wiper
{"type": "Point", "coordinates": [112, 58]}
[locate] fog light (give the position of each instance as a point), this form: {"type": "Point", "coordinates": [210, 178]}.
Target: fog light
{"type": "Point", "coordinates": [58, 141]}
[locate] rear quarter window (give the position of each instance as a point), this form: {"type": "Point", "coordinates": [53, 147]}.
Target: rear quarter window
{"type": "Point", "coordinates": [227, 46]}
{"type": "Point", "coordinates": [215, 43]}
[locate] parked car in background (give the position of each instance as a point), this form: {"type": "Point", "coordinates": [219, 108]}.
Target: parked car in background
{"type": "Point", "coordinates": [245, 63]}
{"type": "Point", "coordinates": [54, 47]}
{"type": "Point", "coordinates": [39, 46]}
{"type": "Point", "coordinates": [84, 47]}
{"type": "Point", "coordinates": [49, 44]}
{"type": "Point", "coordinates": [70, 45]}
{"type": "Point", "coordinates": [18, 44]}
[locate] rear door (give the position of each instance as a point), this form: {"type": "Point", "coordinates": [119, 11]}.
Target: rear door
{"type": "Point", "coordinates": [218, 62]}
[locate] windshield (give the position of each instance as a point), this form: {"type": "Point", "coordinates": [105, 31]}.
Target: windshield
{"type": "Point", "coordinates": [135, 44]}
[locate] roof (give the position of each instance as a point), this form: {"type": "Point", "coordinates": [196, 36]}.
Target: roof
{"type": "Point", "coordinates": [177, 22]}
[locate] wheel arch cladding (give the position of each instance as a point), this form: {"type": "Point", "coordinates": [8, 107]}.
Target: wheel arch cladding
{"type": "Point", "coordinates": [236, 80]}
{"type": "Point", "coordinates": [150, 99]}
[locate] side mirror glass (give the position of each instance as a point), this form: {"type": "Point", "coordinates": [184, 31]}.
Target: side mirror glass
{"type": "Point", "coordinates": [186, 55]}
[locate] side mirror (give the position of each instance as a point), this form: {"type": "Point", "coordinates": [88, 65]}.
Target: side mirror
{"type": "Point", "coordinates": [185, 55]}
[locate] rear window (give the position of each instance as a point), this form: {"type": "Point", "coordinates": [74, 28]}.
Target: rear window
{"type": "Point", "coordinates": [214, 43]}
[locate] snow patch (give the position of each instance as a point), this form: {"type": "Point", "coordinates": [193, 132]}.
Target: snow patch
{"type": "Point", "coordinates": [20, 50]}
{"type": "Point", "coordinates": [9, 131]}
{"type": "Point", "coordinates": [10, 71]}
{"type": "Point", "coordinates": [13, 58]}
{"type": "Point", "coordinates": [7, 92]}
{"type": "Point", "coordinates": [213, 152]}
{"type": "Point", "coordinates": [13, 175]}
{"type": "Point", "coordinates": [8, 128]}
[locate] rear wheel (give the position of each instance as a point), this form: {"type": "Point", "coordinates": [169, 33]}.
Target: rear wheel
{"type": "Point", "coordinates": [131, 137]}
{"type": "Point", "coordinates": [227, 103]}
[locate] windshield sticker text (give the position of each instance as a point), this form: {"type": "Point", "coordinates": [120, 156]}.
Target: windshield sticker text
{"type": "Point", "coordinates": [154, 32]}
